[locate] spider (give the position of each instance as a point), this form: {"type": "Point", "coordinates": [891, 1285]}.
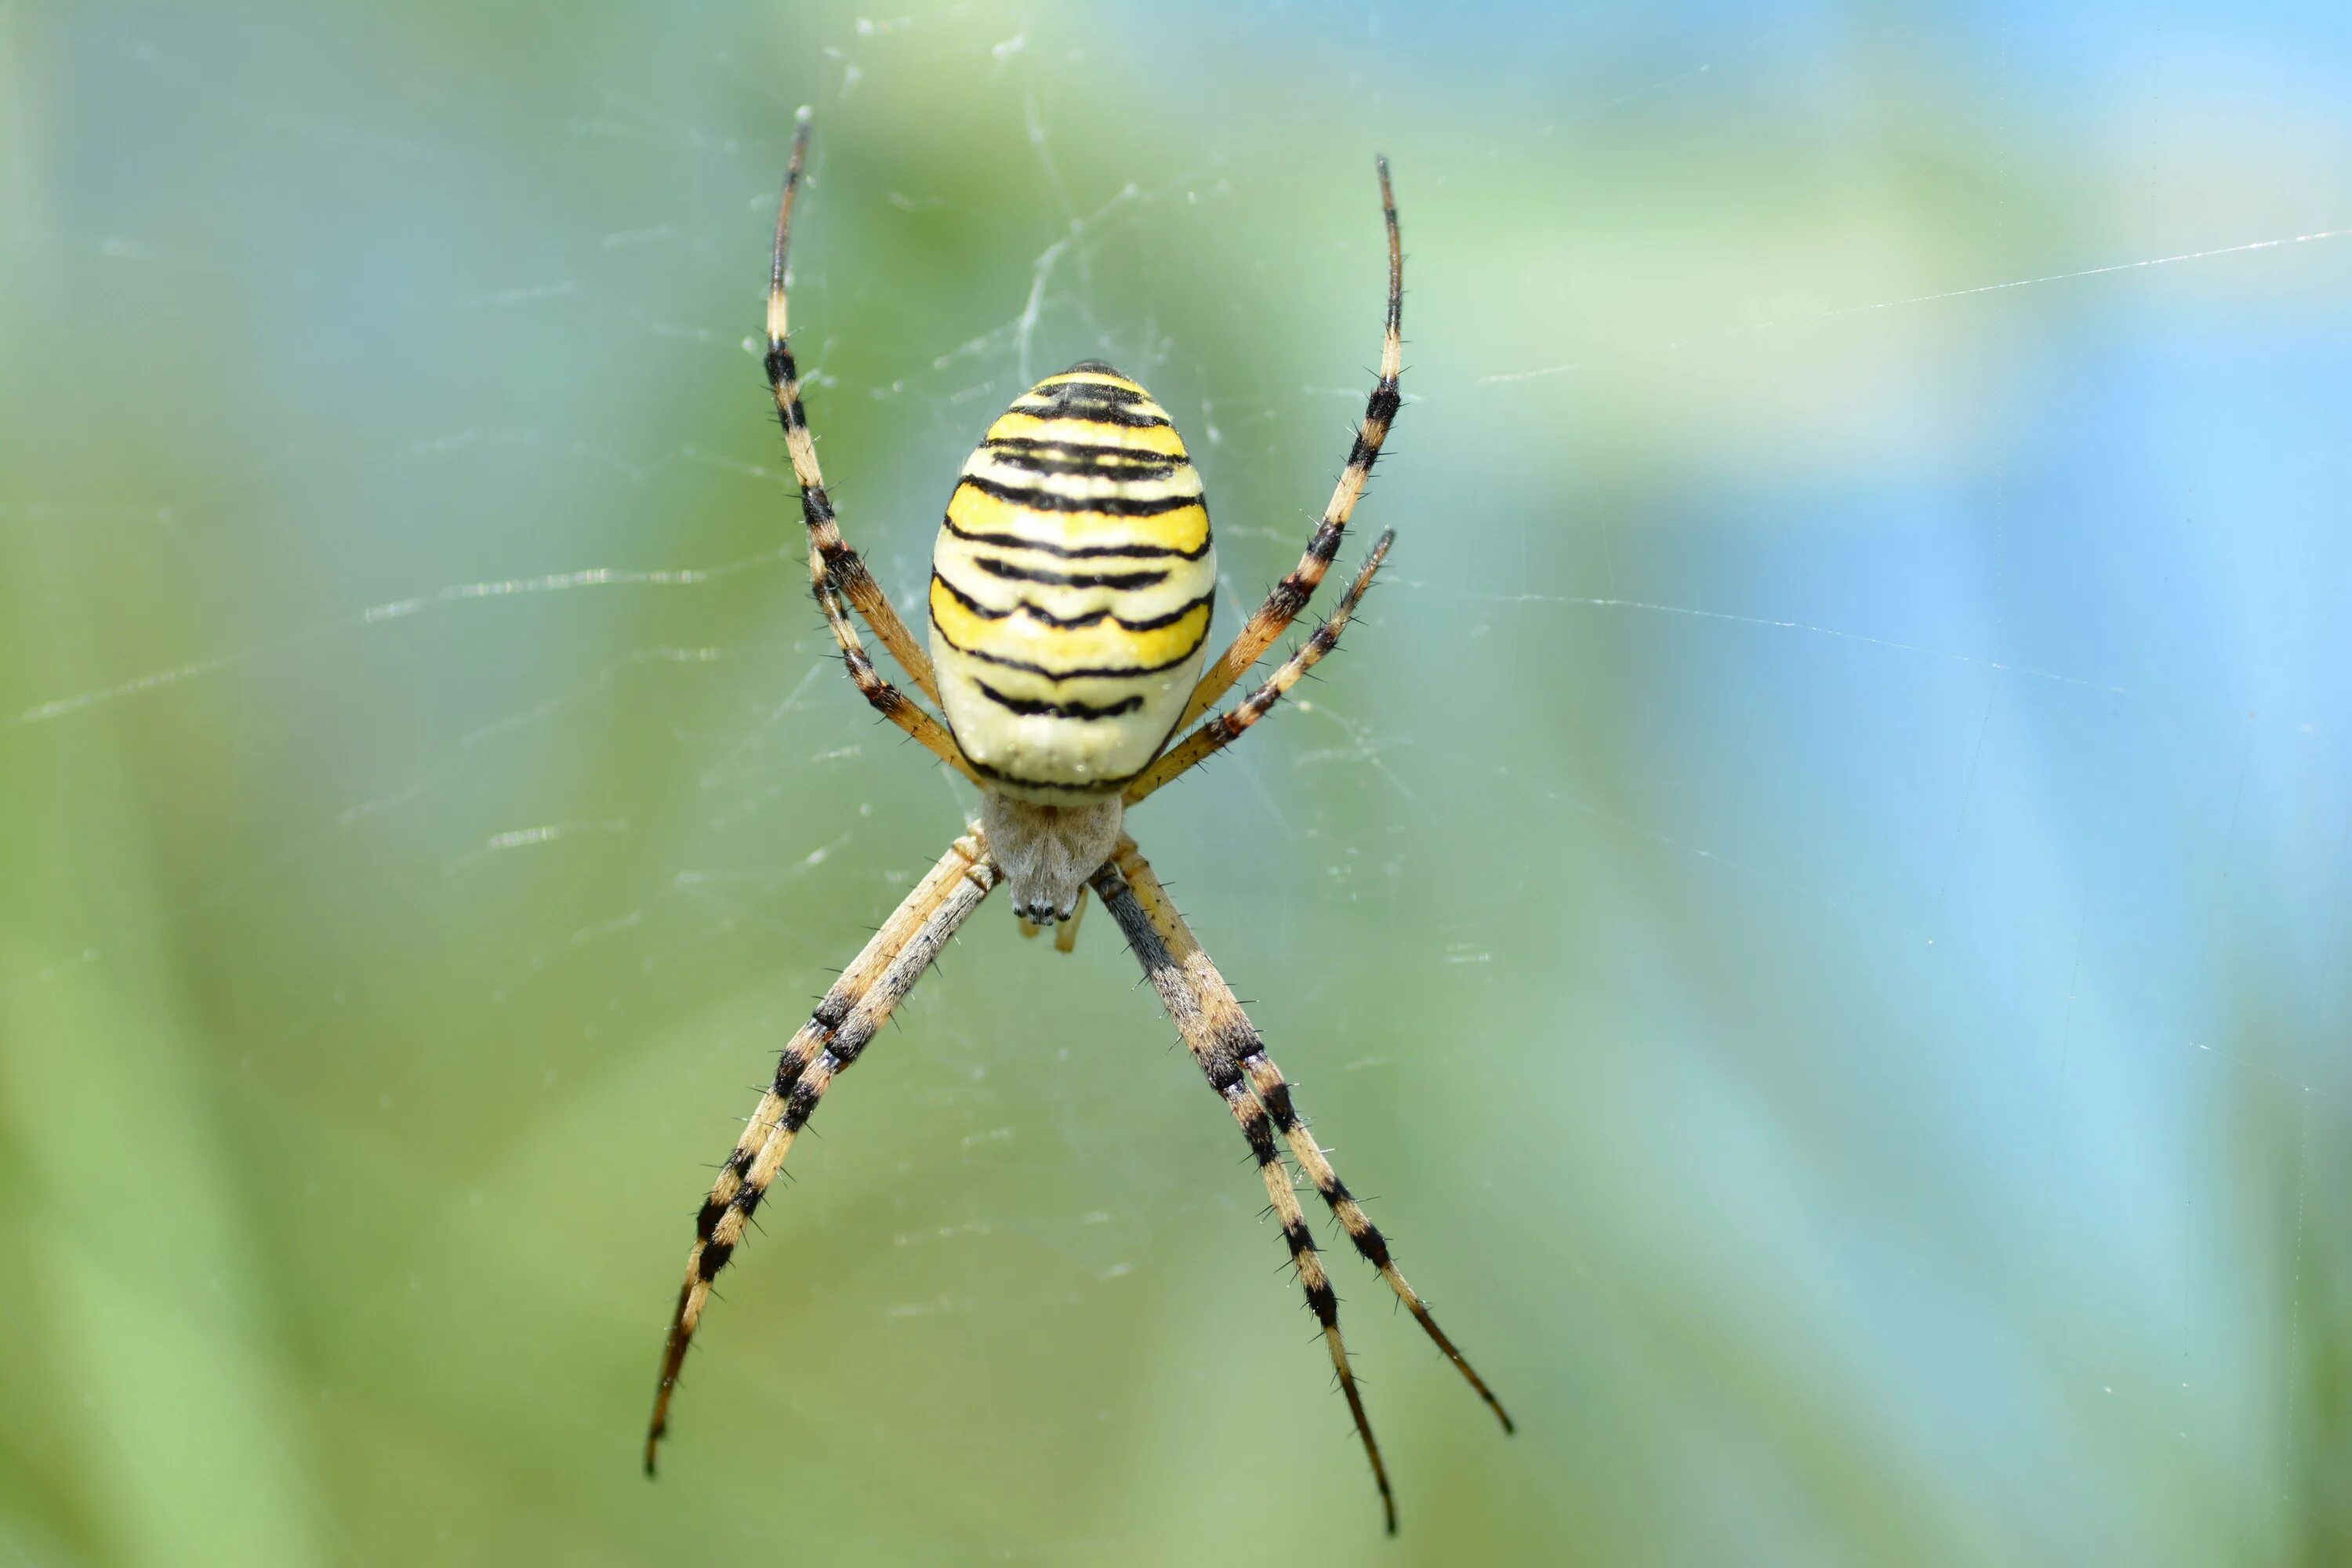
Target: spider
{"type": "Point", "coordinates": [1070, 597]}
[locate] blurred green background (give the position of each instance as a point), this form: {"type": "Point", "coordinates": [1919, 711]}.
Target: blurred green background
{"type": "Point", "coordinates": [1815, 902]}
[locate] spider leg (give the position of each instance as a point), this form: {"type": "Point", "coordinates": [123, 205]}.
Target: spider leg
{"type": "Point", "coordinates": [1065, 938]}
{"type": "Point", "coordinates": [1290, 596]}
{"type": "Point", "coordinates": [832, 561]}
{"type": "Point", "coordinates": [1267, 1082]}
{"type": "Point", "coordinates": [1226, 727]}
{"type": "Point", "coordinates": [887, 699]}
{"type": "Point", "coordinates": [1222, 1040]}
{"type": "Point", "coordinates": [1143, 893]}
{"type": "Point", "coordinates": [858, 1004]}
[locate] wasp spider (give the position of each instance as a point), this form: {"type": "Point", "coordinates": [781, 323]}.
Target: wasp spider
{"type": "Point", "coordinates": [1070, 598]}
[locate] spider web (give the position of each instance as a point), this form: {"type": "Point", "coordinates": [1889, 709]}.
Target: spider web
{"type": "Point", "coordinates": [1815, 900]}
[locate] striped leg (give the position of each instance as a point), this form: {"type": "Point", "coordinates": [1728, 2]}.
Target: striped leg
{"type": "Point", "coordinates": [1290, 596]}
{"type": "Point", "coordinates": [1226, 727]}
{"type": "Point", "coordinates": [1267, 1082]}
{"type": "Point", "coordinates": [832, 561]}
{"type": "Point", "coordinates": [889, 700]}
{"type": "Point", "coordinates": [858, 1004]}
{"type": "Point", "coordinates": [1321, 1298]}
{"type": "Point", "coordinates": [1222, 1040]}
{"type": "Point", "coordinates": [1143, 894]}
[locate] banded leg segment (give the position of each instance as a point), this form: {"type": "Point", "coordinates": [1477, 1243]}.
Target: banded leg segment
{"type": "Point", "coordinates": [1267, 1084]}
{"type": "Point", "coordinates": [1226, 727]}
{"type": "Point", "coordinates": [859, 1003]}
{"type": "Point", "coordinates": [832, 561]}
{"type": "Point", "coordinates": [1221, 1038]}
{"type": "Point", "coordinates": [1321, 1300]}
{"type": "Point", "coordinates": [887, 699]}
{"type": "Point", "coordinates": [1290, 596]}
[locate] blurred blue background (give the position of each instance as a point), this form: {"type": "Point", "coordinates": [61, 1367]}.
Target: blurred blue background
{"type": "Point", "coordinates": [1815, 900]}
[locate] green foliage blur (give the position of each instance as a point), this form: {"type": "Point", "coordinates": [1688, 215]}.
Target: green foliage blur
{"type": "Point", "coordinates": [1812, 900]}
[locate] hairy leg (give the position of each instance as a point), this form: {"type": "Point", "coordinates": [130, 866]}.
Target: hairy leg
{"type": "Point", "coordinates": [1290, 596]}
{"type": "Point", "coordinates": [832, 561]}
{"type": "Point", "coordinates": [1220, 1036]}
{"type": "Point", "coordinates": [858, 1004]}
{"type": "Point", "coordinates": [1226, 727]}
{"type": "Point", "coordinates": [1266, 1083]}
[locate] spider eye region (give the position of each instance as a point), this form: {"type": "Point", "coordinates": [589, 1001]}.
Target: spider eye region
{"type": "Point", "coordinates": [1072, 588]}
{"type": "Point", "coordinates": [1047, 852]}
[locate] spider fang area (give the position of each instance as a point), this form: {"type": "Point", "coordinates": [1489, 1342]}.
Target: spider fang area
{"type": "Point", "coordinates": [1047, 852]}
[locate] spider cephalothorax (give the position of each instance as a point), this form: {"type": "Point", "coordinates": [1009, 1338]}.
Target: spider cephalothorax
{"type": "Point", "coordinates": [1071, 593]}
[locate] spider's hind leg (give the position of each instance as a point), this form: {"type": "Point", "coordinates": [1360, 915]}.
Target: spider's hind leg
{"type": "Point", "coordinates": [1226, 727]}
{"type": "Point", "coordinates": [838, 576]}
{"type": "Point", "coordinates": [1291, 595]}
{"type": "Point", "coordinates": [834, 564]}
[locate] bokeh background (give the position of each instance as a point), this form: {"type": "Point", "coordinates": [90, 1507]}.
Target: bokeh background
{"type": "Point", "coordinates": [1816, 900]}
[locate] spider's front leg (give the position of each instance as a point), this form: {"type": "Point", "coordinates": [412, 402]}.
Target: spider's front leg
{"type": "Point", "coordinates": [1210, 1017]}
{"type": "Point", "coordinates": [1230, 1051]}
{"type": "Point", "coordinates": [859, 1003]}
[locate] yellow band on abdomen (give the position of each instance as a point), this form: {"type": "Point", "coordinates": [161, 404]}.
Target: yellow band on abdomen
{"type": "Point", "coordinates": [1072, 588]}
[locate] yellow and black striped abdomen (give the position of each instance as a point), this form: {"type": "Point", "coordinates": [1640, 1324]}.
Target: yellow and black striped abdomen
{"type": "Point", "coordinates": [1071, 588]}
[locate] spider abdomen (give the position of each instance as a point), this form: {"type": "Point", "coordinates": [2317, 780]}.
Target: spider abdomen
{"type": "Point", "coordinates": [1071, 588]}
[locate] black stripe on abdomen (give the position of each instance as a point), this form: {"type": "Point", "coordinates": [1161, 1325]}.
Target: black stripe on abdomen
{"type": "Point", "coordinates": [1091, 618]}
{"type": "Point", "coordinates": [1079, 672]}
{"type": "Point", "coordinates": [1079, 552]}
{"type": "Point", "coordinates": [1083, 711]}
{"type": "Point", "coordinates": [996, 566]}
{"type": "Point", "coordinates": [1035, 455]}
{"type": "Point", "coordinates": [1036, 499]}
